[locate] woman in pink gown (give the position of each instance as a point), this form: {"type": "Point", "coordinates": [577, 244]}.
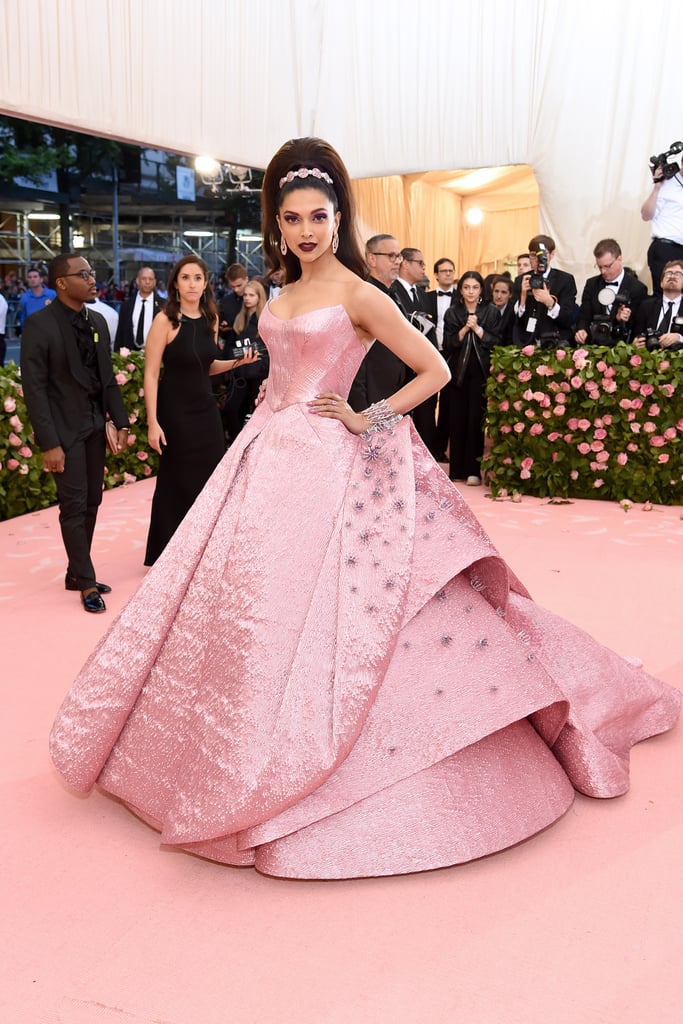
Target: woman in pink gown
{"type": "Point", "coordinates": [330, 672]}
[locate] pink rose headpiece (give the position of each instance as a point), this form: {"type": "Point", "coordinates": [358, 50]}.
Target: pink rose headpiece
{"type": "Point", "coordinates": [306, 172]}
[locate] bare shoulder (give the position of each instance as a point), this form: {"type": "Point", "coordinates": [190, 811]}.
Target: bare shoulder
{"type": "Point", "coordinates": [365, 303]}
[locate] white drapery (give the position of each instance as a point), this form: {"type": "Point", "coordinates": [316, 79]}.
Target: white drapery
{"type": "Point", "coordinates": [581, 92]}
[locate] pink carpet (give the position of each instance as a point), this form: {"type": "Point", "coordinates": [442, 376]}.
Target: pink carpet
{"type": "Point", "coordinates": [580, 925]}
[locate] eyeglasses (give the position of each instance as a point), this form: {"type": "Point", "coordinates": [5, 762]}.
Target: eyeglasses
{"type": "Point", "coordinates": [84, 274]}
{"type": "Point", "coordinates": [673, 273]}
{"type": "Point", "coordinates": [395, 257]}
{"type": "Point", "coordinates": [420, 263]}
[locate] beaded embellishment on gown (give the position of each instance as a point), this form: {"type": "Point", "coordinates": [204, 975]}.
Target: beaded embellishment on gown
{"type": "Point", "coordinates": [340, 676]}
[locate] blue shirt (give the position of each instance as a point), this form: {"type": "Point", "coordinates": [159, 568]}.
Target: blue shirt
{"type": "Point", "coordinates": [31, 303]}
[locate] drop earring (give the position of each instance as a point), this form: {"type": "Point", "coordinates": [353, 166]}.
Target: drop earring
{"type": "Point", "coordinates": [335, 243]}
{"type": "Point", "coordinates": [283, 246]}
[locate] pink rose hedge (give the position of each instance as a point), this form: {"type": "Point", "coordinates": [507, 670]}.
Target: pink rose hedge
{"type": "Point", "coordinates": [24, 485]}
{"type": "Point", "coordinates": [588, 423]}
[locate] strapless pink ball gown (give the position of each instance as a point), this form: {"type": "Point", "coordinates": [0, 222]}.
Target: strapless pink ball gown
{"type": "Point", "coordinates": [330, 672]}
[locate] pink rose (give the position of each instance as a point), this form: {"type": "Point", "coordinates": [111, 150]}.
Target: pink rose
{"type": "Point", "coordinates": [525, 474]}
{"type": "Point", "coordinates": [667, 390]}
{"type": "Point", "coordinates": [609, 386]}
{"type": "Point", "coordinates": [634, 385]}
{"type": "Point", "coordinates": [568, 438]}
{"type": "Point", "coordinates": [518, 428]}
{"type": "Point", "coordinates": [15, 441]}
{"type": "Point", "coordinates": [662, 458]}
{"type": "Point", "coordinates": [610, 371]}
{"type": "Point", "coordinates": [632, 447]}
{"type": "Point", "coordinates": [12, 463]}
{"type": "Point", "coordinates": [646, 390]}
{"type": "Point", "coordinates": [132, 438]}
{"type": "Point", "coordinates": [584, 424]}
{"type": "Point", "coordinates": [635, 360]}
{"type": "Point", "coordinates": [530, 414]}
{"type": "Point", "coordinates": [637, 403]}
{"type": "Point", "coordinates": [124, 352]}
{"type": "Point", "coordinates": [524, 376]}
{"type": "Point", "coordinates": [624, 403]}
{"type": "Point", "coordinates": [507, 461]}
{"type": "Point", "coordinates": [679, 425]}
{"type": "Point", "coordinates": [630, 416]}
{"type": "Point", "coordinates": [598, 482]}
{"type": "Point", "coordinates": [600, 435]}
{"type": "Point", "coordinates": [654, 410]}
{"type": "Point", "coordinates": [546, 414]}
{"type": "Point", "coordinates": [128, 478]}
{"type": "Point", "coordinates": [15, 423]}
{"type": "Point", "coordinates": [561, 399]}
{"type": "Point", "coordinates": [657, 441]}
{"type": "Point", "coordinates": [539, 396]}
{"type": "Point", "coordinates": [670, 433]}
{"type": "Point", "coordinates": [649, 427]}
{"type": "Point", "coordinates": [506, 428]}
{"type": "Point", "coordinates": [536, 429]}
{"type": "Point", "coordinates": [131, 368]}
{"type": "Point", "coordinates": [10, 405]}
{"type": "Point", "coordinates": [560, 354]}
{"type": "Point", "coordinates": [635, 427]}
{"type": "Point", "coordinates": [517, 406]}
{"type": "Point", "coordinates": [579, 357]}
{"type": "Point", "coordinates": [500, 378]}
{"type": "Point", "coordinates": [503, 406]}
{"type": "Point", "coordinates": [516, 497]}
{"type": "Point", "coordinates": [574, 474]}
{"type": "Point", "coordinates": [553, 436]}
{"type": "Point", "coordinates": [23, 469]}
{"type": "Point", "coordinates": [601, 366]}
{"type": "Point", "coordinates": [565, 386]}
{"type": "Point", "coordinates": [583, 448]}
{"type": "Point", "coordinates": [121, 379]}
{"type": "Point", "coordinates": [528, 350]}
{"type": "Point", "coordinates": [528, 395]}
{"type": "Point", "coordinates": [142, 456]}
{"type": "Point", "coordinates": [576, 382]}
{"type": "Point", "coordinates": [664, 365]}
{"type": "Point", "coordinates": [141, 393]}
{"type": "Point", "coordinates": [597, 446]}
{"type": "Point", "coordinates": [559, 410]}
{"type": "Point", "coordinates": [527, 463]}
{"type": "Point", "coordinates": [25, 452]}
{"type": "Point", "coordinates": [607, 420]}
{"type": "Point", "coordinates": [572, 423]}
{"type": "Point", "coordinates": [555, 456]}
{"type": "Point", "coordinates": [602, 457]}
{"type": "Point", "coordinates": [622, 458]}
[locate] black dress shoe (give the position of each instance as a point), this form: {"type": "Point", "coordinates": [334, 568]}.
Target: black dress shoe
{"type": "Point", "coordinates": [71, 584]}
{"type": "Point", "coordinates": [92, 601]}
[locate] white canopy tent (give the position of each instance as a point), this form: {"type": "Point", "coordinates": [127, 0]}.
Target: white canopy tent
{"type": "Point", "coordinates": [581, 93]}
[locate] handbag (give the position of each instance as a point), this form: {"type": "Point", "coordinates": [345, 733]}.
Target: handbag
{"type": "Point", "coordinates": [111, 435]}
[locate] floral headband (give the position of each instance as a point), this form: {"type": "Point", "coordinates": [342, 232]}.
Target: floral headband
{"type": "Point", "coordinates": [306, 172]}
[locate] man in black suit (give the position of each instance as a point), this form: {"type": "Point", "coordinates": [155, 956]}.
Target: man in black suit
{"type": "Point", "coordinates": [137, 312]}
{"type": "Point", "coordinates": [659, 322]}
{"type": "Point", "coordinates": [412, 299]}
{"type": "Point", "coordinates": [545, 315]}
{"type": "Point", "coordinates": [612, 320]}
{"type": "Point", "coordinates": [381, 373]}
{"type": "Point", "coordinates": [69, 388]}
{"type": "Point", "coordinates": [438, 301]}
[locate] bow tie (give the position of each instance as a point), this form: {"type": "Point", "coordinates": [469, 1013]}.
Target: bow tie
{"type": "Point", "coordinates": [447, 295]}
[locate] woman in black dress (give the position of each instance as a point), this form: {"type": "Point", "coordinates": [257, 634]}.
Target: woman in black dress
{"type": "Point", "coordinates": [183, 421]}
{"type": "Point", "coordinates": [244, 383]}
{"type": "Point", "coordinates": [470, 330]}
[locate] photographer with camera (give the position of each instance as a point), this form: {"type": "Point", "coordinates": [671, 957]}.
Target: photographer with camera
{"type": "Point", "coordinates": [545, 299]}
{"type": "Point", "coordinates": [664, 207]}
{"type": "Point", "coordinates": [659, 323]}
{"type": "Point", "coordinates": [243, 383]}
{"type": "Point", "coordinates": [610, 300]}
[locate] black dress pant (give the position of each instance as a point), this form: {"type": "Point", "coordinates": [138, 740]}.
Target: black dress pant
{"type": "Point", "coordinates": [424, 418]}
{"type": "Point", "coordinates": [79, 491]}
{"type": "Point", "coordinates": [467, 407]}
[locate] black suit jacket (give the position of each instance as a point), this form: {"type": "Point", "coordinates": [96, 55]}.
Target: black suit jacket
{"type": "Point", "coordinates": [563, 286]}
{"type": "Point", "coordinates": [381, 373]}
{"type": "Point", "coordinates": [125, 337]}
{"type": "Point", "coordinates": [634, 291]}
{"type": "Point", "coordinates": [55, 382]}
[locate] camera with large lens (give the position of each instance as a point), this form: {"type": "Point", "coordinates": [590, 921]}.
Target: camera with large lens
{"type": "Point", "coordinates": [600, 331]}
{"type": "Point", "coordinates": [536, 279]}
{"type": "Point", "coordinates": [662, 167]}
{"type": "Point", "coordinates": [652, 336]}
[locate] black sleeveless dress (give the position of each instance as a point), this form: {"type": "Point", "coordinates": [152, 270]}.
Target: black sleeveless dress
{"type": "Point", "coordinates": [191, 422]}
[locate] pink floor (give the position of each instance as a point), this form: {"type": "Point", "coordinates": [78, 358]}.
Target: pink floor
{"type": "Point", "coordinates": [581, 925]}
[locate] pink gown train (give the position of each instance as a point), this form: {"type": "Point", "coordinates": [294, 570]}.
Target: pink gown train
{"type": "Point", "coordinates": [330, 672]}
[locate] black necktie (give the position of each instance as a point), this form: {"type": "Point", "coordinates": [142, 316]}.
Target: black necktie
{"type": "Point", "coordinates": [140, 333]}
{"type": "Point", "coordinates": [446, 295]}
{"type": "Point", "coordinates": [413, 292]}
{"type": "Point", "coordinates": [666, 321]}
